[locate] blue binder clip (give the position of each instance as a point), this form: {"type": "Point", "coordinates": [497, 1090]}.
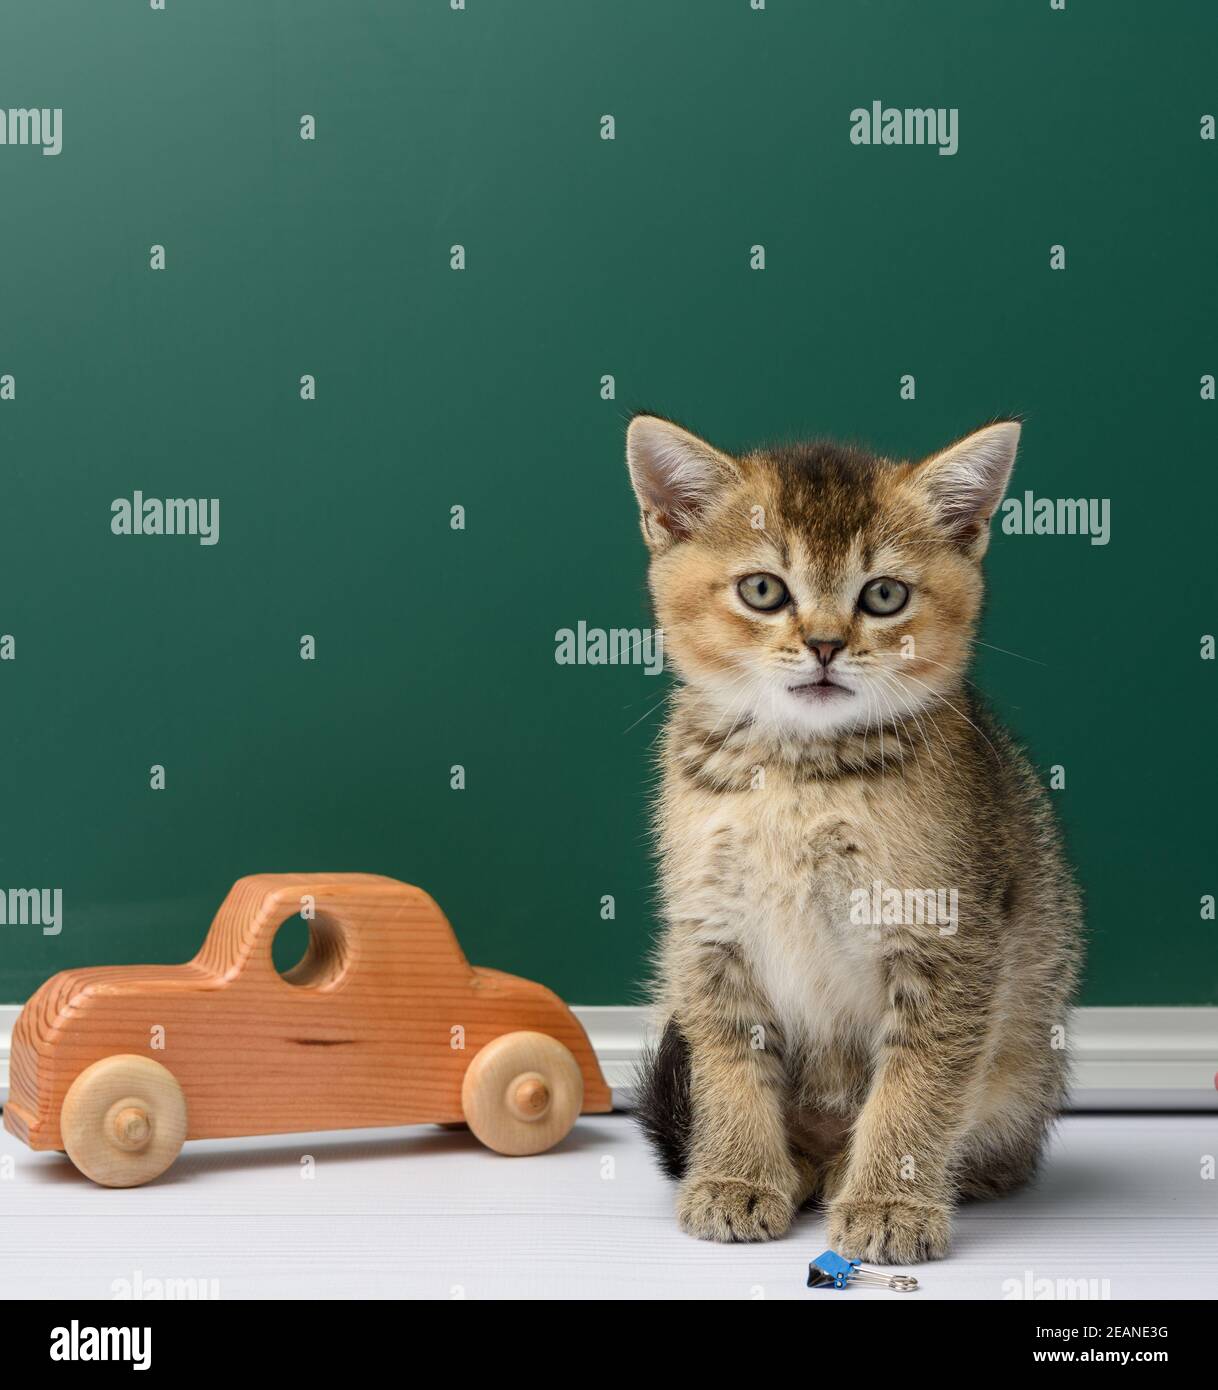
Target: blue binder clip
{"type": "Point", "coordinates": [833, 1271]}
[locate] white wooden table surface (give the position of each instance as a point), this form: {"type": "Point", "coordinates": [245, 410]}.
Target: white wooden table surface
{"type": "Point", "coordinates": [423, 1213]}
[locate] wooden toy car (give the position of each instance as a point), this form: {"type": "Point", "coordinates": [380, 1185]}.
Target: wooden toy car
{"type": "Point", "coordinates": [383, 1022]}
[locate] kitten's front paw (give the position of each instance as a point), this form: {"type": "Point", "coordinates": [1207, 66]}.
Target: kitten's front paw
{"type": "Point", "coordinates": [728, 1209]}
{"type": "Point", "coordinates": [890, 1232]}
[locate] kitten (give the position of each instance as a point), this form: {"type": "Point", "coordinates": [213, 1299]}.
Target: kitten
{"type": "Point", "coordinates": [823, 750]}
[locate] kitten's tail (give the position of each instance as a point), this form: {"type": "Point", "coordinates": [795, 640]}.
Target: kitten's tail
{"type": "Point", "coordinates": [662, 1099]}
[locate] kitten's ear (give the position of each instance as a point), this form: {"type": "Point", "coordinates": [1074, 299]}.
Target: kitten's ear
{"type": "Point", "coordinates": [966, 481]}
{"type": "Point", "coordinates": [675, 474]}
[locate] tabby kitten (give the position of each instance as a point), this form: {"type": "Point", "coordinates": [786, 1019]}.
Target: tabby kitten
{"type": "Point", "coordinates": [823, 765]}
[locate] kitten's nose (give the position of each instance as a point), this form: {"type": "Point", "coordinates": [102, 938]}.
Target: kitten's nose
{"type": "Point", "coordinates": [825, 647]}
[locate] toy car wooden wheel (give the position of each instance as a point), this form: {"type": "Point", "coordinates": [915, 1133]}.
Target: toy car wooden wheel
{"type": "Point", "coordinates": [123, 1120]}
{"type": "Point", "coordinates": [522, 1092]}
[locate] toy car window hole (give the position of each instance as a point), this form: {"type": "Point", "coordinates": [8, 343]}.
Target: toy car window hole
{"type": "Point", "coordinates": [325, 957]}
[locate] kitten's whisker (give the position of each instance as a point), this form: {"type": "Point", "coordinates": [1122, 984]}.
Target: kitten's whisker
{"type": "Point", "coordinates": [746, 700]}
{"type": "Point", "coordinates": [896, 728]}
{"type": "Point", "coordinates": [872, 709]}
{"type": "Point", "coordinates": [755, 680]}
{"type": "Point", "coordinates": [895, 720]}
{"type": "Point", "coordinates": [922, 723]}
{"type": "Point", "coordinates": [883, 765]}
{"type": "Point", "coordinates": [867, 726]}
{"type": "Point", "coordinates": [666, 696]}
{"type": "Point", "coordinates": [1007, 652]}
{"type": "Point", "coordinates": [634, 646]}
{"type": "Point", "coordinates": [931, 662]}
{"type": "Point", "coordinates": [960, 712]}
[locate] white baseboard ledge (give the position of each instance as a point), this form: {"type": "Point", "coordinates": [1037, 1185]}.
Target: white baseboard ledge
{"type": "Point", "coordinates": [1124, 1059]}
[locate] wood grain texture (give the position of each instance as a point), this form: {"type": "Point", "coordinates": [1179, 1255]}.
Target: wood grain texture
{"type": "Point", "coordinates": [375, 1026]}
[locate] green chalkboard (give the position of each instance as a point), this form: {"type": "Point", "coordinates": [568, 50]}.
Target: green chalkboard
{"type": "Point", "coordinates": [483, 388]}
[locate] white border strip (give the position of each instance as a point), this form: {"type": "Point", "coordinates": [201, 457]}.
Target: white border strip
{"type": "Point", "coordinates": [1124, 1059]}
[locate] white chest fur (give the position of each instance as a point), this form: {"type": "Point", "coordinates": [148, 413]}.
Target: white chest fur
{"type": "Point", "coordinates": [766, 872]}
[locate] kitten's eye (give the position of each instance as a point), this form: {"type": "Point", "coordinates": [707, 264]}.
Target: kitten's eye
{"type": "Point", "coordinates": [763, 591]}
{"type": "Point", "coordinates": [884, 597]}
